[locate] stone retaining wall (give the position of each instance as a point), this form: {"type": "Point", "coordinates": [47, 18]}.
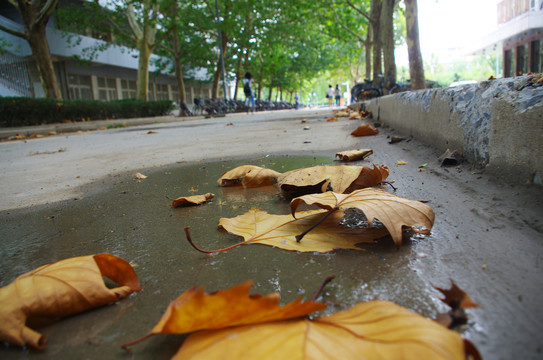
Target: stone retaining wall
{"type": "Point", "coordinates": [496, 124]}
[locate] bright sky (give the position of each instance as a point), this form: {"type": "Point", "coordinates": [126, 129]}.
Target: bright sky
{"type": "Point", "coordinates": [449, 24]}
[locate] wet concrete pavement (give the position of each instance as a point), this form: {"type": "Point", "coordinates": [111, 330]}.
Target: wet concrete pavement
{"type": "Point", "coordinates": [84, 199]}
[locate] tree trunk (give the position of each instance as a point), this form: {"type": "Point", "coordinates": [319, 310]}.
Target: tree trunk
{"type": "Point", "coordinates": [145, 52]}
{"type": "Point", "coordinates": [36, 37]}
{"type": "Point", "coordinates": [183, 110]}
{"type": "Point", "coordinates": [387, 38]}
{"type": "Point", "coordinates": [416, 69]}
{"type": "Point", "coordinates": [218, 72]}
{"type": "Point", "coordinates": [239, 77]}
{"type": "Point", "coordinates": [375, 17]}
{"type": "Point", "coordinates": [367, 47]}
{"type": "Point", "coordinates": [42, 55]}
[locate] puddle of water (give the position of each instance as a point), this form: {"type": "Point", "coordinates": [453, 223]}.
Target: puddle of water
{"type": "Point", "coordinates": [134, 220]}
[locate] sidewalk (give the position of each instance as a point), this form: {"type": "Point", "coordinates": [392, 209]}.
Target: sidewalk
{"type": "Point", "coordinates": [53, 129]}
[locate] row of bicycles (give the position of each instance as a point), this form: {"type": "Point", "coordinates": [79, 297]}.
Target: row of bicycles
{"type": "Point", "coordinates": [371, 89]}
{"type": "Point", "coordinates": [216, 107]}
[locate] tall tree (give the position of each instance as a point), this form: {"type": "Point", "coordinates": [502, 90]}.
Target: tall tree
{"type": "Point", "coordinates": [375, 21]}
{"type": "Point", "coordinates": [388, 44]}
{"type": "Point", "coordinates": [146, 19]}
{"type": "Point", "coordinates": [416, 68]}
{"type": "Point", "coordinates": [139, 24]}
{"type": "Point", "coordinates": [355, 35]}
{"type": "Point", "coordinates": [35, 15]}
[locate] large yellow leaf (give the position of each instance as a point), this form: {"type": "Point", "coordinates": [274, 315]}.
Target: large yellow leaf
{"type": "Point", "coordinates": [393, 211]}
{"type": "Point", "coordinates": [371, 330]}
{"type": "Point", "coordinates": [259, 227]}
{"type": "Point", "coordinates": [249, 176]}
{"type": "Point", "coordinates": [341, 179]}
{"type": "Point", "coordinates": [195, 310]}
{"type": "Point", "coordinates": [61, 289]}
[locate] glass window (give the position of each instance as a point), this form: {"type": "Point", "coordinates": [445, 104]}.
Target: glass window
{"type": "Point", "coordinates": [508, 66]}
{"type": "Point", "coordinates": [79, 87]}
{"type": "Point", "coordinates": [175, 93]}
{"type": "Point", "coordinates": [107, 88]}
{"type": "Point", "coordinates": [162, 92]}
{"type": "Point", "coordinates": [535, 64]}
{"type": "Point", "coordinates": [522, 59]}
{"type": "Point", "coordinates": [128, 89]}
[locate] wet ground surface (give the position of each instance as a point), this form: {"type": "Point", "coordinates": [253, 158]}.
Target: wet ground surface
{"type": "Point", "coordinates": [134, 220]}
{"type": "Point", "coordinates": [488, 238]}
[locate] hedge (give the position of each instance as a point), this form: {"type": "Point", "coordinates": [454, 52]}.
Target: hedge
{"type": "Point", "coordinates": [20, 111]}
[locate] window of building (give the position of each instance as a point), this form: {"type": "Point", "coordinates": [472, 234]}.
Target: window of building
{"type": "Point", "coordinates": [107, 88]}
{"type": "Point", "coordinates": [175, 93]}
{"type": "Point", "coordinates": [162, 92]}
{"type": "Point", "coordinates": [508, 65]}
{"type": "Point", "coordinates": [151, 93]}
{"type": "Point", "coordinates": [536, 56]}
{"type": "Point", "coordinates": [128, 89]}
{"type": "Point", "coordinates": [79, 87]}
{"type": "Point", "coordinates": [522, 59]}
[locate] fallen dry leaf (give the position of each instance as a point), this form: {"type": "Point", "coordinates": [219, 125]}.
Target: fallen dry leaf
{"type": "Point", "coordinates": [401, 162]}
{"type": "Point", "coordinates": [342, 113]}
{"type": "Point", "coordinates": [371, 330]}
{"type": "Point", "coordinates": [355, 116]}
{"type": "Point", "coordinates": [195, 310]}
{"type": "Point", "coordinates": [61, 289]}
{"type": "Point", "coordinates": [332, 119]}
{"type": "Point", "coordinates": [249, 176]}
{"type": "Point", "coordinates": [340, 179]}
{"type": "Point", "coordinates": [450, 158]}
{"type": "Point", "coordinates": [259, 227]}
{"type": "Point", "coordinates": [458, 300]}
{"type": "Point", "coordinates": [353, 155]}
{"type": "Point", "coordinates": [395, 139]}
{"type": "Point", "coordinates": [391, 210]}
{"type": "Point", "coordinates": [192, 200]}
{"type": "Point", "coordinates": [140, 176]}
{"type": "Point", "coordinates": [365, 130]}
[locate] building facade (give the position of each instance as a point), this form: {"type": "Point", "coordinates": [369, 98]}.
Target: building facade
{"type": "Point", "coordinates": [111, 75]}
{"type": "Point", "coordinates": [518, 37]}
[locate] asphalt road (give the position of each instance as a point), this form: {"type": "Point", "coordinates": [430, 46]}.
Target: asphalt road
{"type": "Point", "coordinates": [488, 235]}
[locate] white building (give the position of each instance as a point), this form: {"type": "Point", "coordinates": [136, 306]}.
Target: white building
{"type": "Point", "coordinates": [518, 37]}
{"type": "Point", "coordinates": [111, 75]}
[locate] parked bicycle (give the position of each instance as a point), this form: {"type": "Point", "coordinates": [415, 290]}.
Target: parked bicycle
{"type": "Point", "coordinates": [372, 89]}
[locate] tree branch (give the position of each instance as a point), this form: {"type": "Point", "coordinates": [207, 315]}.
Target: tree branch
{"type": "Point", "coordinates": [47, 10]}
{"type": "Point", "coordinates": [361, 12]}
{"type": "Point", "coordinates": [13, 32]}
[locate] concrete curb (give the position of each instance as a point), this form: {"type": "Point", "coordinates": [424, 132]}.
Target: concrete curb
{"type": "Point", "coordinates": [496, 125]}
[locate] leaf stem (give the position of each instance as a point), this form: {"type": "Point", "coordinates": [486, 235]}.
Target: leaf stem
{"type": "Point", "coordinates": [189, 238]}
{"type": "Point", "coordinates": [319, 290]}
{"type": "Point", "coordinates": [301, 236]}
{"type": "Point", "coordinates": [389, 184]}
{"type": "Point", "coordinates": [130, 343]}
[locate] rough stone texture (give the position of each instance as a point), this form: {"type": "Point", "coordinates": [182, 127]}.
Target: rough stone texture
{"type": "Point", "coordinates": [496, 124]}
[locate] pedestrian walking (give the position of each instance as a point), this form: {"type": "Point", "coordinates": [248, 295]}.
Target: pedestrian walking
{"type": "Point", "coordinates": [248, 83]}
{"type": "Point", "coordinates": [337, 94]}
{"type": "Point", "coordinates": [297, 99]}
{"type": "Point", "coordinates": [330, 95]}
